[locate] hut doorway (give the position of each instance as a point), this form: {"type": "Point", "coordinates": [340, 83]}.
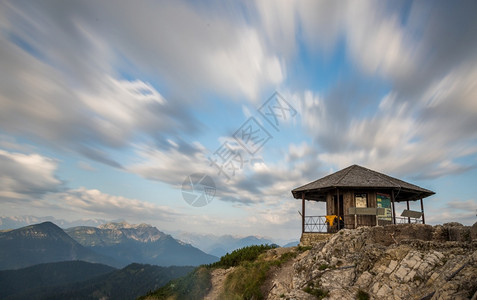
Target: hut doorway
{"type": "Point", "coordinates": [338, 209]}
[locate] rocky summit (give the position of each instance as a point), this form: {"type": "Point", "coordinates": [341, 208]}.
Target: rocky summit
{"type": "Point", "coordinates": [410, 261]}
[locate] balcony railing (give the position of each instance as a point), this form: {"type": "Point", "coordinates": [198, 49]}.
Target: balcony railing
{"type": "Point", "coordinates": [319, 224]}
{"type": "Point", "coordinates": [316, 224]}
{"type": "Point", "coordinates": [404, 220]}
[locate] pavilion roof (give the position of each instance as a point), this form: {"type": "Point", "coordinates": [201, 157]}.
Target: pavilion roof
{"type": "Point", "coordinates": [357, 177]}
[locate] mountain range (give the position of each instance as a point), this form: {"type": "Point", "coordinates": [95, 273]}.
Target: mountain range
{"type": "Point", "coordinates": [15, 222]}
{"type": "Point", "coordinates": [141, 243]}
{"type": "Point", "coordinates": [43, 243]}
{"type": "Point", "coordinates": [82, 280]}
{"type": "Point", "coordinates": [44, 276]}
{"type": "Point", "coordinates": [219, 245]}
{"type": "Point", "coordinates": [216, 245]}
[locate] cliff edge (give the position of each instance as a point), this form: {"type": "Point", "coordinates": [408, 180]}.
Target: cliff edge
{"type": "Point", "coordinates": [409, 261]}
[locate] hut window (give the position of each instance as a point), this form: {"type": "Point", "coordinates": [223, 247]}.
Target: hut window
{"type": "Point", "coordinates": [361, 200]}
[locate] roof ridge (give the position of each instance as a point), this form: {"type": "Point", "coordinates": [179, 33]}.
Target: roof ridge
{"type": "Point", "coordinates": [383, 176]}
{"type": "Point", "coordinates": [347, 172]}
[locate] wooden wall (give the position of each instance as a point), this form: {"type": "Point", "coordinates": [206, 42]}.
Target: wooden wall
{"type": "Point", "coordinates": [349, 201]}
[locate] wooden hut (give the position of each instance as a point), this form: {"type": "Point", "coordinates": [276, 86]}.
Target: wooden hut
{"type": "Point", "coordinates": [357, 196]}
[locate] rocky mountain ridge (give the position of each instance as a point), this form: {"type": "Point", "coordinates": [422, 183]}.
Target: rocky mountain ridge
{"type": "Point", "coordinates": [140, 243]}
{"type": "Point", "coordinates": [115, 233]}
{"type": "Point", "coordinates": [408, 261]}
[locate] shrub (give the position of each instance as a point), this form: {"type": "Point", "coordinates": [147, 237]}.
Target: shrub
{"type": "Point", "coordinates": [246, 254]}
{"type": "Point", "coordinates": [362, 295]}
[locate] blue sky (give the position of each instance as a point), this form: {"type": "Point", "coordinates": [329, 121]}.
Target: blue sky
{"type": "Point", "coordinates": [107, 107]}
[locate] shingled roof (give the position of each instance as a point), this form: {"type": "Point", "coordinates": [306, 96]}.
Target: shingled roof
{"type": "Point", "coordinates": [357, 177]}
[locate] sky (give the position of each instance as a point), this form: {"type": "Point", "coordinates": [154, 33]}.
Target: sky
{"type": "Point", "coordinates": [109, 108]}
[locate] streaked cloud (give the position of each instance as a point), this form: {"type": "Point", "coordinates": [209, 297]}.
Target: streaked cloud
{"type": "Point", "coordinates": [128, 88]}
{"type": "Point", "coordinates": [27, 175]}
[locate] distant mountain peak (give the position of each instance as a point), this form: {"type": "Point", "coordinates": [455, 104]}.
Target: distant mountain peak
{"type": "Point", "coordinates": [123, 224]}
{"type": "Point", "coordinates": [42, 243]}
{"type": "Point", "coordinates": [45, 230]}
{"type": "Point", "coordinates": [14, 222]}
{"type": "Point", "coordinates": [115, 232]}
{"type": "Point", "coordinates": [141, 243]}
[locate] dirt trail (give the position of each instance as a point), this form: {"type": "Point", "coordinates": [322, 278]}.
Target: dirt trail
{"type": "Point", "coordinates": [218, 279]}
{"type": "Point", "coordinates": [279, 280]}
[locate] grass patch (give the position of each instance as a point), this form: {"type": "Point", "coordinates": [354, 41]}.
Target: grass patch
{"type": "Point", "coordinates": [246, 281]}
{"type": "Point", "coordinates": [304, 248]}
{"type": "Point", "coordinates": [286, 257]}
{"type": "Point", "coordinates": [362, 295]}
{"type": "Point", "coordinates": [241, 255]}
{"type": "Point", "coordinates": [193, 286]}
{"type": "Point", "coordinates": [323, 267]}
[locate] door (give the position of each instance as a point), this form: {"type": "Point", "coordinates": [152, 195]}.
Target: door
{"type": "Point", "coordinates": [338, 210]}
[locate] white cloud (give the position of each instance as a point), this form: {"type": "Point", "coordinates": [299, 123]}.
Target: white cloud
{"type": "Point", "coordinates": [171, 166]}
{"type": "Point", "coordinates": [94, 203]}
{"type": "Point", "coordinates": [376, 41]}
{"type": "Point", "coordinates": [244, 64]}
{"type": "Point", "coordinates": [27, 175]}
{"type": "Point", "coordinates": [66, 71]}
{"type": "Point", "coordinates": [462, 211]}
{"type": "Point", "coordinates": [29, 181]}
{"type": "Point", "coordinates": [278, 20]}
{"type": "Point", "coordinates": [205, 50]}
{"type": "Point", "coordinates": [85, 166]}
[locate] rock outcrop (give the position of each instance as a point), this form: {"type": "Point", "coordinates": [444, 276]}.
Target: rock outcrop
{"type": "Point", "coordinates": [410, 261]}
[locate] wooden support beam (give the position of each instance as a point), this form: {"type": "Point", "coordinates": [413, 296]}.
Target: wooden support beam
{"type": "Point", "coordinates": [408, 218]}
{"type": "Point", "coordinates": [338, 212]}
{"type": "Point", "coordinates": [303, 212]}
{"type": "Point", "coordinates": [422, 210]}
{"type": "Point", "coordinates": [355, 217]}
{"type": "Point", "coordinates": [394, 210]}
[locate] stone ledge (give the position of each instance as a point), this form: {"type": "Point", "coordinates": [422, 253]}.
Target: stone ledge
{"type": "Point", "coordinates": [310, 238]}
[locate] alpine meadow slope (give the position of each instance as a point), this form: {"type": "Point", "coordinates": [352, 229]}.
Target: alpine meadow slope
{"type": "Point", "coordinates": [408, 261]}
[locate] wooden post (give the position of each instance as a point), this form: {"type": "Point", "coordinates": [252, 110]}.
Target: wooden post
{"type": "Point", "coordinates": [377, 216]}
{"type": "Point", "coordinates": [303, 212]}
{"type": "Point", "coordinates": [338, 212]}
{"type": "Point", "coordinates": [355, 217]}
{"type": "Point", "coordinates": [422, 210]}
{"type": "Point", "coordinates": [394, 210]}
{"type": "Point", "coordinates": [408, 218]}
